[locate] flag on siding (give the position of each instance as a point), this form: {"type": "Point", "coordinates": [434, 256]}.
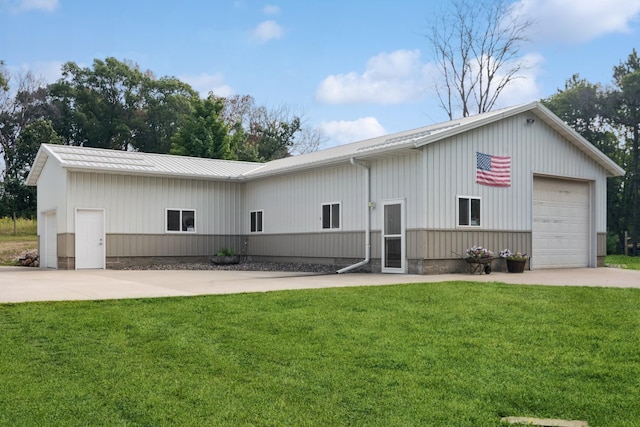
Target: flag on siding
{"type": "Point", "coordinates": [493, 170]}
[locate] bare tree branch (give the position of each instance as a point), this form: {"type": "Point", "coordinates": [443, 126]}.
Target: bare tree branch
{"type": "Point", "coordinates": [476, 47]}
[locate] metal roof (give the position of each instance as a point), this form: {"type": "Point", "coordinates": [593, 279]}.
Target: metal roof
{"type": "Point", "coordinates": [112, 161]}
{"type": "Point", "coordinates": [396, 144]}
{"type": "Point", "coordinates": [128, 162]}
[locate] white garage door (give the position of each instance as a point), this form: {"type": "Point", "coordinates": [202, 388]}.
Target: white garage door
{"type": "Point", "coordinates": [561, 223]}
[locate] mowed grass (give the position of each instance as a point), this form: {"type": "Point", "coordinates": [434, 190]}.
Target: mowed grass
{"type": "Point", "coordinates": [622, 261]}
{"type": "Point", "coordinates": [444, 354]}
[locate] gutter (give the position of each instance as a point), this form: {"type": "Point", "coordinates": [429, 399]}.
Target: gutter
{"type": "Point", "coordinates": [369, 205]}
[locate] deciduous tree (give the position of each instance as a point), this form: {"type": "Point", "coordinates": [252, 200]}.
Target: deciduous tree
{"type": "Point", "coordinates": [115, 105]}
{"type": "Point", "coordinates": [476, 47]}
{"type": "Point", "coordinates": [18, 199]}
{"type": "Point", "coordinates": [261, 134]}
{"type": "Point", "coordinates": [623, 111]}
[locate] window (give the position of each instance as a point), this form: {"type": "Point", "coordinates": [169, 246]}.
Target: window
{"type": "Point", "coordinates": [181, 220]}
{"type": "Point", "coordinates": [468, 211]}
{"type": "Point", "coordinates": [256, 221]}
{"type": "Point", "coordinates": [331, 215]}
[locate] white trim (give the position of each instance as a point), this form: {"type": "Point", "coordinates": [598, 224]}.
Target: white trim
{"type": "Point", "coordinates": [103, 240]}
{"type": "Point", "coordinates": [261, 211]}
{"type": "Point", "coordinates": [472, 226]}
{"type": "Point", "coordinates": [166, 218]}
{"type": "Point", "coordinates": [331, 228]}
{"type": "Point", "coordinates": [402, 236]}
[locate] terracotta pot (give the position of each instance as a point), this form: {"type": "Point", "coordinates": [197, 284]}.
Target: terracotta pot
{"type": "Point", "coordinates": [516, 266]}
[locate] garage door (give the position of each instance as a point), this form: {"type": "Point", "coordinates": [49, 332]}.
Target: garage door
{"type": "Point", "coordinates": [561, 223]}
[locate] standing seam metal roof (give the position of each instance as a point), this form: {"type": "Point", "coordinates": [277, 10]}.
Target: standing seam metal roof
{"type": "Point", "coordinates": [94, 159]}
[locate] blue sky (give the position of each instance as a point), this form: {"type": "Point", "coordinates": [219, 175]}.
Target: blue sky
{"type": "Point", "coordinates": [356, 69]}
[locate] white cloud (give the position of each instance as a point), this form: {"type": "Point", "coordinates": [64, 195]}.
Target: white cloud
{"type": "Point", "coordinates": [343, 132]}
{"type": "Point", "coordinates": [48, 71]}
{"type": "Point", "coordinates": [267, 30]}
{"type": "Point", "coordinates": [271, 10]}
{"type": "Point", "coordinates": [44, 5]}
{"type": "Point", "coordinates": [389, 78]}
{"type": "Point", "coordinates": [43, 72]}
{"type": "Point", "coordinates": [205, 83]}
{"type": "Point", "coordinates": [523, 89]}
{"type": "Point", "coordinates": [573, 22]}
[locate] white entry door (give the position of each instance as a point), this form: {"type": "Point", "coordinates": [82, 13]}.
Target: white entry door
{"type": "Point", "coordinates": [90, 245]}
{"type": "Point", "coordinates": [393, 237]}
{"type": "Point", "coordinates": [50, 241]}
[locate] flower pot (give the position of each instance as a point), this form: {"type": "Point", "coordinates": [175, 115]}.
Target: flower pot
{"type": "Point", "coordinates": [516, 266]}
{"type": "Point", "coordinates": [224, 260]}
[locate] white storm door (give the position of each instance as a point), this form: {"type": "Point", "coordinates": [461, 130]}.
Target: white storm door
{"type": "Point", "coordinates": [393, 237]}
{"type": "Point", "coordinates": [90, 247]}
{"type": "Point", "coordinates": [50, 241]}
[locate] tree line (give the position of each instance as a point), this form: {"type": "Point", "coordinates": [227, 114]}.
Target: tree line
{"type": "Point", "coordinates": [609, 118]}
{"type": "Point", "coordinates": [113, 104]}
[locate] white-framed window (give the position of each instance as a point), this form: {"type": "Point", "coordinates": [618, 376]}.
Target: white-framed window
{"type": "Point", "coordinates": [331, 216]}
{"type": "Point", "coordinates": [180, 220]}
{"type": "Point", "coordinates": [469, 211]}
{"type": "Point", "coordinates": [256, 221]}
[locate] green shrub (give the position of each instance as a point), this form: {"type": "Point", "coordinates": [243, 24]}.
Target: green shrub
{"type": "Point", "coordinates": [226, 252]}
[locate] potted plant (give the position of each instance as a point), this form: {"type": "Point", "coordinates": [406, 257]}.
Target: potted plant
{"type": "Point", "coordinates": [479, 259]}
{"type": "Point", "coordinates": [225, 256]}
{"type": "Point", "coordinates": [516, 261]}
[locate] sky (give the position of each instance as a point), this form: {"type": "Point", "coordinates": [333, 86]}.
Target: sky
{"type": "Point", "coordinates": [355, 69]}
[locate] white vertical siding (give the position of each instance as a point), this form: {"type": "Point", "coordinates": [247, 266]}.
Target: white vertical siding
{"type": "Point", "coordinates": [399, 178]}
{"type": "Point", "coordinates": [292, 203]}
{"type": "Point", "coordinates": [51, 195]}
{"type": "Point", "coordinates": [137, 204]}
{"type": "Point", "coordinates": [536, 148]}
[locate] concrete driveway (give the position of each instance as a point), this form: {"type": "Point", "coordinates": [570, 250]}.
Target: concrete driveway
{"type": "Point", "coordinates": [20, 284]}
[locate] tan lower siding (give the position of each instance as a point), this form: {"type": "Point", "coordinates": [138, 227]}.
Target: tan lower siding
{"type": "Point", "coordinates": [317, 245]}
{"type": "Point", "coordinates": [172, 245]}
{"type": "Point", "coordinates": [428, 251]}
{"type": "Point", "coordinates": [129, 249]}
{"type": "Point", "coordinates": [602, 249]}
{"type": "Point", "coordinates": [66, 245]}
{"type": "Point", "coordinates": [602, 244]}
{"type": "Point", "coordinates": [447, 244]}
{"type": "Point", "coordinates": [66, 251]}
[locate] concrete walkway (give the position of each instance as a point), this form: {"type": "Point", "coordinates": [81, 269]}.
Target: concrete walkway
{"type": "Point", "coordinates": [20, 284]}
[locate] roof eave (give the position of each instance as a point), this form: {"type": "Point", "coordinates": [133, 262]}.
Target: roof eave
{"type": "Point", "coordinates": [611, 167]}
{"type": "Point", "coordinates": [178, 175]}
{"type": "Point", "coordinates": [38, 165]}
{"type": "Point", "coordinates": [255, 174]}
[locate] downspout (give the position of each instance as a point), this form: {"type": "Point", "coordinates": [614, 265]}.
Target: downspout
{"type": "Point", "coordinates": [367, 235]}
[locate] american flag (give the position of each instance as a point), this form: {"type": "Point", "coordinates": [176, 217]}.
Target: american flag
{"type": "Point", "coordinates": [493, 170]}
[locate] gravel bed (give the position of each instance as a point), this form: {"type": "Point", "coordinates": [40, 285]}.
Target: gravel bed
{"type": "Point", "coordinates": [244, 266]}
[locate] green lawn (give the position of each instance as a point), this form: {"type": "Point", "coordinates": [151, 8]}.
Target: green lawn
{"type": "Point", "coordinates": [444, 354]}
{"type": "Point", "coordinates": [628, 262]}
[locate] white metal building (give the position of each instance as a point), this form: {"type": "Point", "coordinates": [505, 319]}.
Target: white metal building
{"type": "Point", "coordinates": [408, 202]}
